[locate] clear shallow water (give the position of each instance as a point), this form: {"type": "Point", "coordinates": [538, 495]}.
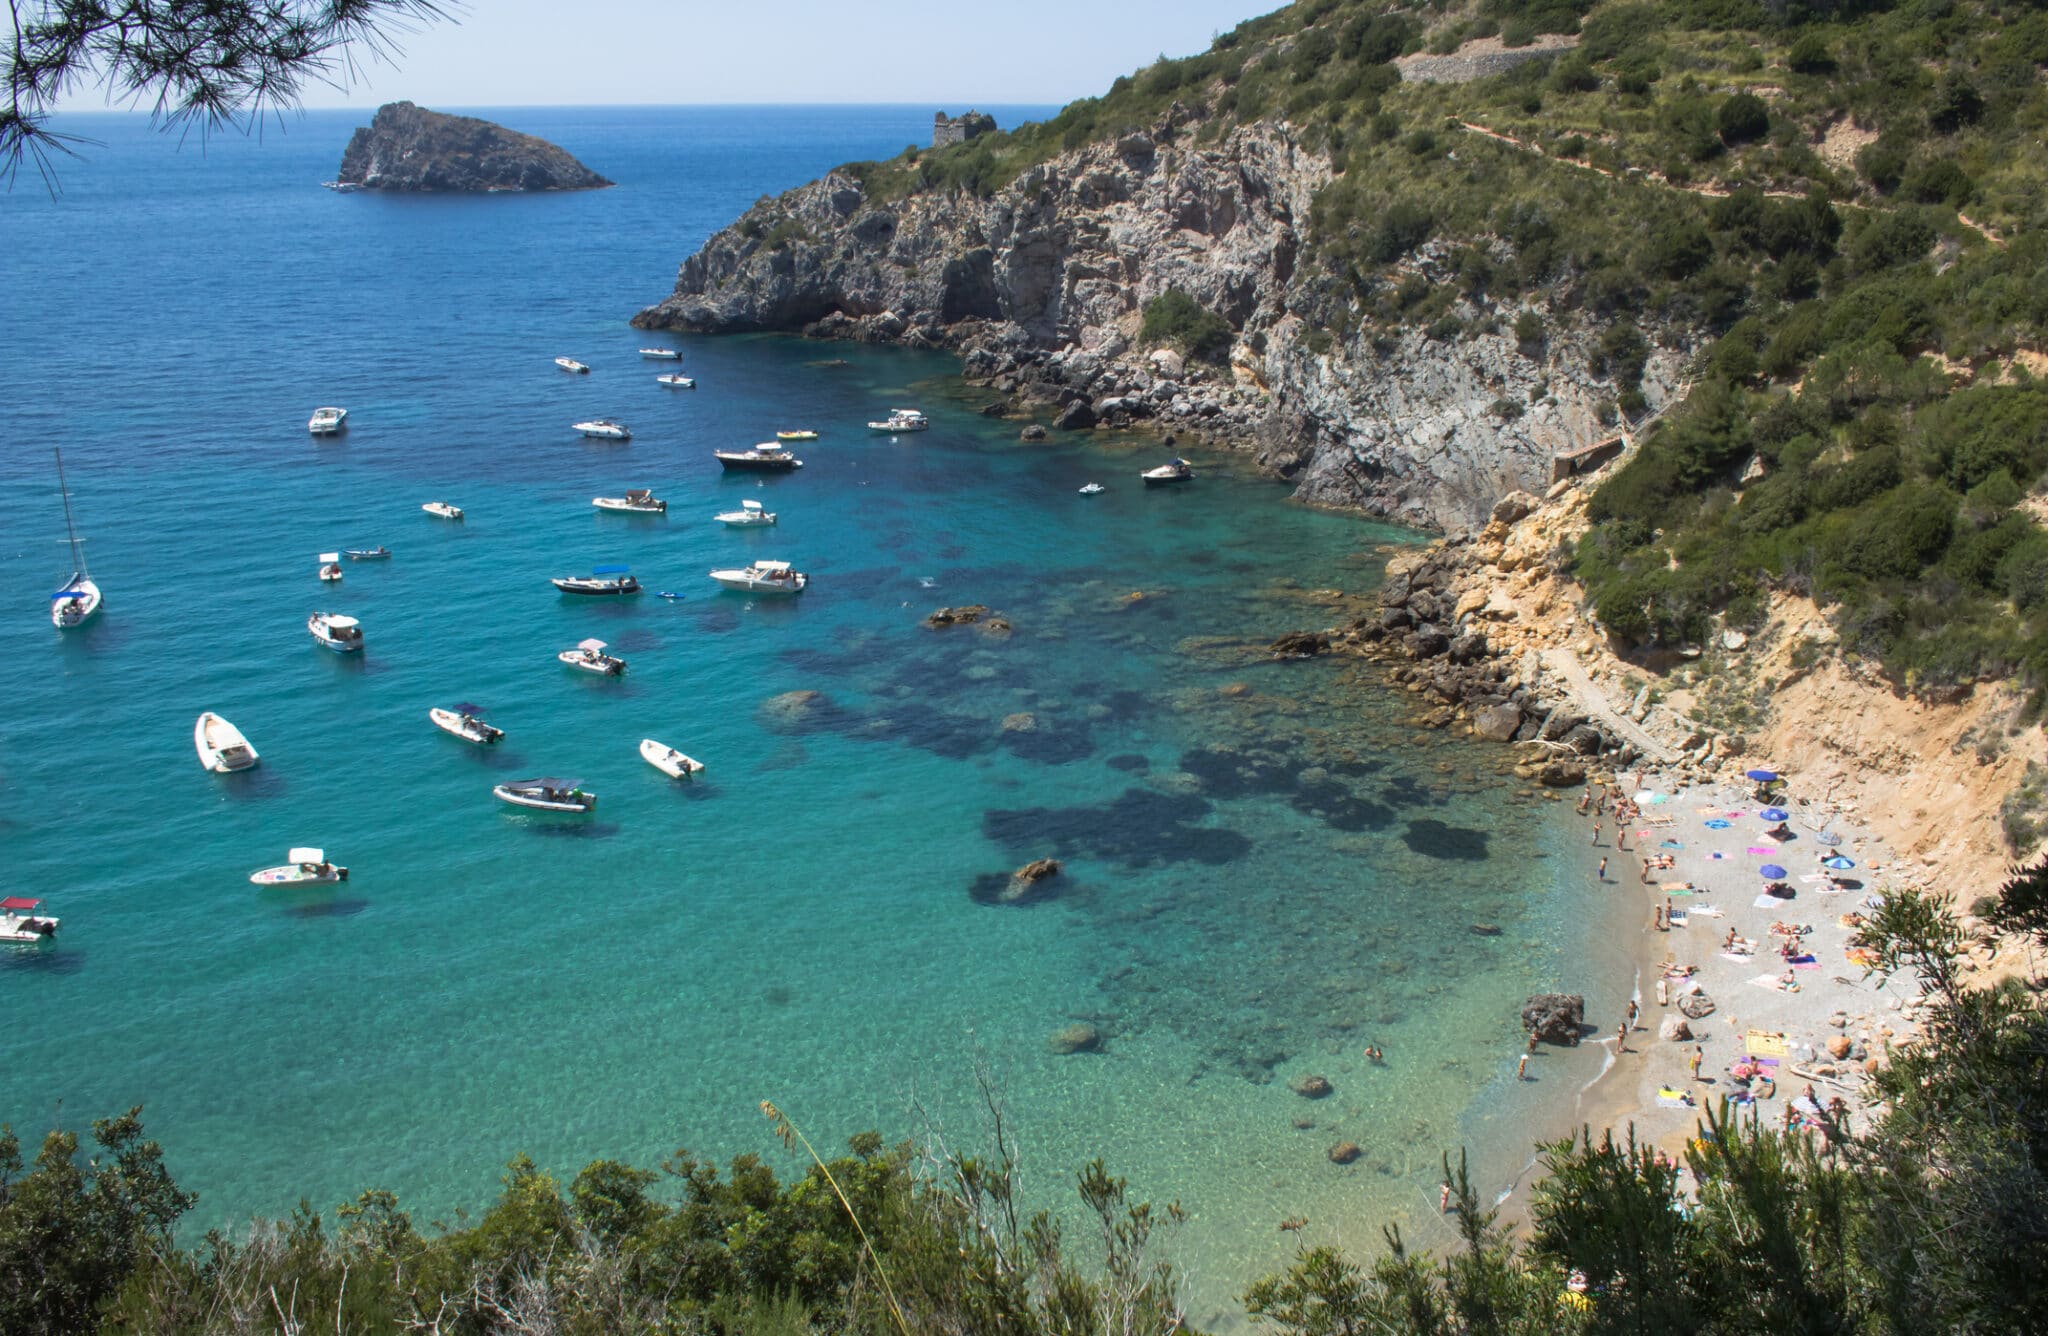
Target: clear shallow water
{"type": "Point", "coordinates": [1268, 866]}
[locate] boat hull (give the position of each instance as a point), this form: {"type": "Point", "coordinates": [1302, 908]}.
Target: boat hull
{"type": "Point", "coordinates": [669, 761]}
{"type": "Point", "coordinates": [586, 589]}
{"type": "Point", "coordinates": [222, 748]}
{"type": "Point", "coordinates": [742, 464]}
{"type": "Point", "coordinates": [677, 382]}
{"type": "Point", "coordinates": [30, 931]}
{"type": "Point", "coordinates": [1151, 481]}
{"type": "Point", "coordinates": [455, 725]}
{"type": "Point", "coordinates": [743, 520]}
{"type": "Point", "coordinates": [291, 874]}
{"type": "Point", "coordinates": [65, 616]}
{"type": "Point", "coordinates": [618, 507]}
{"type": "Point", "coordinates": [771, 588]}
{"type": "Point", "coordinates": [442, 510]}
{"type": "Point", "coordinates": [510, 798]}
{"type": "Point", "coordinates": [608, 668]}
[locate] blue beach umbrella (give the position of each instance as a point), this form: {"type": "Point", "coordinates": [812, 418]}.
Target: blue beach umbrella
{"type": "Point", "coordinates": [1716, 823]}
{"type": "Point", "coordinates": [1774, 814]}
{"type": "Point", "coordinates": [1764, 776]}
{"type": "Point", "coordinates": [1772, 872]}
{"type": "Point", "coordinates": [1837, 863]}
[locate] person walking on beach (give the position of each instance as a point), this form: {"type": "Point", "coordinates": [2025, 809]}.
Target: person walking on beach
{"type": "Point", "coordinates": [1621, 1039]}
{"type": "Point", "coordinates": [1633, 1012]}
{"type": "Point", "coordinates": [1602, 874]}
{"type": "Point", "coordinates": [1699, 1055]}
{"type": "Point", "coordinates": [1621, 836]}
{"type": "Point", "coordinates": [1646, 872]}
{"type": "Point", "coordinates": [1596, 834]}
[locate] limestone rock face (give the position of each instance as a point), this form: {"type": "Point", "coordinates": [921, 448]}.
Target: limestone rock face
{"type": "Point", "coordinates": [1040, 287]}
{"type": "Point", "coordinates": [410, 149]}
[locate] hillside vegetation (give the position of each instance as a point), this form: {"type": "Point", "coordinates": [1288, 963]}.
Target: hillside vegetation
{"type": "Point", "coordinates": [1843, 201]}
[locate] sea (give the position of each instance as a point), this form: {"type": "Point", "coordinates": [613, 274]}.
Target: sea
{"type": "Point", "coordinates": [1268, 866]}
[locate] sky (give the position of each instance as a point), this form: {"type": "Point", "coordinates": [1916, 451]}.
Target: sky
{"type": "Point", "coordinates": [667, 52]}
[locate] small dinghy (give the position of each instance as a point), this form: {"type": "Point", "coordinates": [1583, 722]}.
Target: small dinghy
{"type": "Point", "coordinates": [330, 567]}
{"type": "Point", "coordinates": [221, 746]}
{"type": "Point", "coordinates": [637, 501]}
{"type": "Point", "coordinates": [368, 554]}
{"type": "Point", "coordinates": [604, 429]}
{"type": "Point", "coordinates": [589, 656]}
{"type": "Point", "coordinates": [668, 760]}
{"type": "Point", "coordinates": [676, 381]}
{"type": "Point", "coordinates": [602, 582]}
{"type": "Point", "coordinates": [1091, 489]}
{"type": "Point", "coordinates": [766, 457]}
{"type": "Point", "coordinates": [327, 421]}
{"type": "Point", "coordinates": [661, 354]}
{"type": "Point", "coordinates": [308, 867]}
{"type": "Point", "coordinates": [343, 635]}
{"type": "Point", "coordinates": [546, 794]}
{"type": "Point", "coordinates": [570, 364]}
{"type": "Point", "coordinates": [20, 924]}
{"type": "Point", "coordinates": [802, 434]}
{"type": "Point", "coordinates": [749, 515]}
{"type": "Point", "coordinates": [1178, 471]}
{"type": "Point", "coordinates": [764, 577]}
{"type": "Point", "coordinates": [443, 509]}
{"type": "Point", "coordinates": [465, 721]}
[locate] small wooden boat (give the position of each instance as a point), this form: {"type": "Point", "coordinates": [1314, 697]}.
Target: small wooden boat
{"type": "Point", "coordinates": [661, 354]}
{"type": "Point", "coordinates": [676, 381]}
{"type": "Point", "coordinates": [327, 421]}
{"type": "Point", "coordinates": [637, 501]}
{"type": "Point", "coordinates": [1177, 471]}
{"type": "Point", "coordinates": [570, 364]}
{"type": "Point", "coordinates": [221, 746]}
{"type": "Point", "coordinates": [330, 567]}
{"type": "Point", "coordinates": [668, 760]}
{"type": "Point", "coordinates": [604, 429]}
{"type": "Point", "coordinates": [751, 514]}
{"type": "Point", "coordinates": [379, 553]}
{"type": "Point", "coordinates": [307, 867]}
{"type": "Point", "coordinates": [589, 656]}
{"type": "Point", "coordinates": [804, 434]}
{"type": "Point", "coordinates": [465, 721]}
{"type": "Point", "coordinates": [764, 577]}
{"type": "Point", "coordinates": [546, 794]}
{"type": "Point", "coordinates": [21, 925]}
{"type": "Point", "coordinates": [766, 457]}
{"type": "Point", "coordinates": [443, 509]}
{"type": "Point", "coordinates": [343, 635]}
{"type": "Point", "coordinates": [602, 582]}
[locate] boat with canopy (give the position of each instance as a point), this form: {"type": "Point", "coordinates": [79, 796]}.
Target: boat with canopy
{"type": "Point", "coordinates": [589, 656]}
{"type": "Point", "coordinates": [20, 924]}
{"type": "Point", "coordinates": [302, 867]}
{"type": "Point", "coordinates": [465, 721]}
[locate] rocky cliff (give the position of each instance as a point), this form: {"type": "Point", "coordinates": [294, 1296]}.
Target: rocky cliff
{"type": "Point", "coordinates": [410, 149]}
{"type": "Point", "coordinates": [1041, 285]}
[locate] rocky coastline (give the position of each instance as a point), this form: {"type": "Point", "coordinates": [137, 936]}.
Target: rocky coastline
{"type": "Point", "coordinates": [407, 149]}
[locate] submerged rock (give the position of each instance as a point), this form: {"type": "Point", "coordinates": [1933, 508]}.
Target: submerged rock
{"type": "Point", "coordinates": [1344, 1152]}
{"type": "Point", "coordinates": [1311, 1086]}
{"type": "Point", "coordinates": [961, 616]}
{"type": "Point", "coordinates": [796, 712]}
{"type": "Point", "coordinates": [409, 149]}
{"type": "Point", "coordinates": [1300, 645]}
{"type": "Point", "coordinates": [1080, 1037]}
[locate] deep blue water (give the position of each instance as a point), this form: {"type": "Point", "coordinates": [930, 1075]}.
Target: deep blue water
{"type": "Point", "coordinates": [1268, 866]}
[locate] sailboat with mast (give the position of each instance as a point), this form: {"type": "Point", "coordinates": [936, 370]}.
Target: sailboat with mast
{"type": "Point", "coordinates": [79, 599]}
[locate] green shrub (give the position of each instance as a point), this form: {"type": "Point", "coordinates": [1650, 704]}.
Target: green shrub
{"type": "Point", "coordinates": [1175, 318]}
{"type": "Point", "coordinates": [1741, 118]}
{"type": "Point", "coordinates": [1811, 54]}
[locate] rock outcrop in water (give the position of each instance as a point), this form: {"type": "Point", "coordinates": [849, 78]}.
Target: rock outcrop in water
{"type": "Point", "coordinates": [1041, 288]}
{"type": "Point", "coordinates": [409, 149]}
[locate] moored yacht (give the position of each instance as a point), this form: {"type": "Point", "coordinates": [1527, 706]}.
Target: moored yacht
{"type": "Point", "coordinates": [902, 420]}
{"type": "Point", "coordinates": [327, 421]}
{"type": "Point", "coordinates": [221, 746]}
{"type": "Point", "coordinates": [570, 364]}
{"type": "Point", "coordinates": [636, 501]}
{"type": "Point", "coordinates": [20, 924]}
{"type": "Point", "coordinates": [661, 354]}
{"type": "Point", "coordinates": [343, 635]}
{"type": "Point", "coordinates": [749, 515]}
{"type": "Point", "coordinates": [767, 457]}
{"type": "Point", "coordinates": [603, 581]}
{"type": "Point", "coordinates": [604, 429]}
{"type": "Point", "coordinates": [1177, 471]}
{"type": "Point", "coordinates": [465, 721]}
{"type": "Point", "coordinates": [764, 577]}
{"type": "Point", "coordinates": [303, 867]}
{"type": "Point", "coordinates": [79, 599]}
{"type": "Point", "coordinates": [590, 657]}
{"type": "Point", "coordinates": [546, 794]}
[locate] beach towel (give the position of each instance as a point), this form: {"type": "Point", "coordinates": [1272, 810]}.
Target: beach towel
{"type": "Point", "coordinates": [1814, 876]}
{"type": "Point", "coordinates": [1767, 1043]}
{"type": "Point", "coordinates": [1738, 957]}
{"type": "Point", "coordinates": [1669, 844]}
{"type": "Point", "coordinates": [1765, 902]}
{"type": "Point", "coordinates": [1737, 816]}
{"type": "Point", "coordinates": [1672, 1099]}
{"type": "Point", "coordinates": [1809, 963]}
{"type": "Point", "coordinates": [1708, 911]}
{"type": "Point", "coordinates": [1753, 849]}
{"type": "Point", "coordinates": [1802, 960]}
{"type": "Point", "coordinates": [1716, 823]}
{"type": "Point", "coordinates": [1769, 981]}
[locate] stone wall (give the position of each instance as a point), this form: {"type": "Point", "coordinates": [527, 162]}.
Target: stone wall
{"type": "Point", "coordinates": [1477, 60]}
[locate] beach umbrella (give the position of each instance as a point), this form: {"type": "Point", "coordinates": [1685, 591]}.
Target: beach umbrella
{"type": "Point", "coordinates": [1772, 872]}
{"type": "Point", "coordinates": [1764, 776]}
{"type": "Point", "coordinates": [1837, 864]}
{"type": "Point", "coordinates": [1774, 814]}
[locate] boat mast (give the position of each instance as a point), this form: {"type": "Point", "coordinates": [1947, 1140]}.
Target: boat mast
{"type": "Point", "coordinates": [77, 556]}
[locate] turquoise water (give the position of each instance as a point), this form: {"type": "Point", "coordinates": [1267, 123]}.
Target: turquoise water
{"type": "Point", "coordinates": [1268, 865]}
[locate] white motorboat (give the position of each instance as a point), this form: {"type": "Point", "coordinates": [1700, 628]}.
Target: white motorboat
{"type": "Point", "coordinates": [637, 501]}
{"type": "Point", "coordinates": [767, 457]}
{"type": "Point", "coordinates": [675, 380]}
{"type": "Point", "coordinates": [343, 635]}
{"type": "Point", "coordinates": [465, 721]}
{"type": "Point", "coordinates": [1091, 489]}
{"type": "Point", "coordinates": [79, 599]}
{"type": "Point", "coordinates": [19, 922]}
{"type": "Point", "coordinates": [306, 867]}
{"type": "Point", "coordinates": [764, 577]}
{"type": "Point", "coordinates": [661, 354]}
{"type": "Point", "coordinates": [443, 509]}
{"type": "Point", "coordinates": [604, 429]}
{"type": "Point", "coordinates": [589, 656]}
{"type": "Point", "coordinates": [902, 420]}
{"type": "Point", "coordinates": [750, 515]}
{"type": "Point", "coordinates": [546, 794]}
{"type": "Point", "coordinates": [330, 566]}
{"type": "Point", "coordinates": [603, 582]}
{"type": "Point", "coordinates": [1178, 471]}
{"type": "Point", "coordinates": [378, 553]}
{"type": "Point", "coordinates": [221, 746]}
{"type": "Point", "coordinates": [572, 365]}
{"type": "Point", "coordinates": [327, 421]}
{"type": "Point", "coordinates": [342, 187]}
{"type": "Point", "coordinates": [669, 761]}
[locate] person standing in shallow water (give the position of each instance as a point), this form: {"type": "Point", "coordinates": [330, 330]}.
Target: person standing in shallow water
{"type": "Point", "coordinates": [1602, 874]}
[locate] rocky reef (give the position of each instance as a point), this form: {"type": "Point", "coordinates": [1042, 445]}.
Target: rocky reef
{"type": "Point", "coordinates": [1041, 288]}
{"type": "Point", "coordinates": [408, 149]}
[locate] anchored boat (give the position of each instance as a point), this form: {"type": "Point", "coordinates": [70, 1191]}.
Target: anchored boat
{"type": "Point", "coordinates": [751, 514]}
{"type": "Point", "coordinates": [343, 635]}
{"type": "Point", "coordinates": [1177, 471]}
{"type": "Point", "coordinates": [638, 501]}
{"type": "Point", "coordinates": [589, 656]}
{"type": "Point", "coordinates": [79, 599]}
{"type": "Point", "coordinates": [767, 457]}
{"type": "Point", "coordinates": [330, 567]}
{"type": "Point", "coordinates": [669, 761]}
{"type": "Point", "coordinates": [20, 924]}
{"type": "Point", "coordinates": [221, 746]}
{"type": "Point", "coordinates": [902, 420]}
{"type": "Point", "coordinates": [570, 364]}
{"type": "Point", "coordinates": [465, 721]}
{"type": "Point", "coordinates": [546, 794]}
{"type": "Point", "coordinates": [604, 429]}
{"type": "Point", "coordinates": [676, 381]}
{"type": "Point", "coordinates": [764, 577]}
{"type": "Point", "coordinates": [603, 581]}
{"type": "Point", "coordinates": [443, 509]}
{"type": "Point", "coordinates": [306, 867]}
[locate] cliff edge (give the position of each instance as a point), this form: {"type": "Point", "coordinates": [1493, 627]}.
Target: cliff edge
{"type": "Point", "coordinates": [409, 149]}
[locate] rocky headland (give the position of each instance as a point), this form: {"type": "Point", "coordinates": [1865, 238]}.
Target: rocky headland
{"type": "Point", "coordinates": [408, 149]}
{"type": "Point", "coordinates": [1041, 288]}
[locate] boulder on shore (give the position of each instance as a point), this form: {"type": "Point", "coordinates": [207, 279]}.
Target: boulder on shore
{"type": "Point", "coordinates": [1557, 1018]}
{"type": "Point", "coordinates": [1080, 1037]}
{"type": "Point", "coordinates": [409, 149]}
